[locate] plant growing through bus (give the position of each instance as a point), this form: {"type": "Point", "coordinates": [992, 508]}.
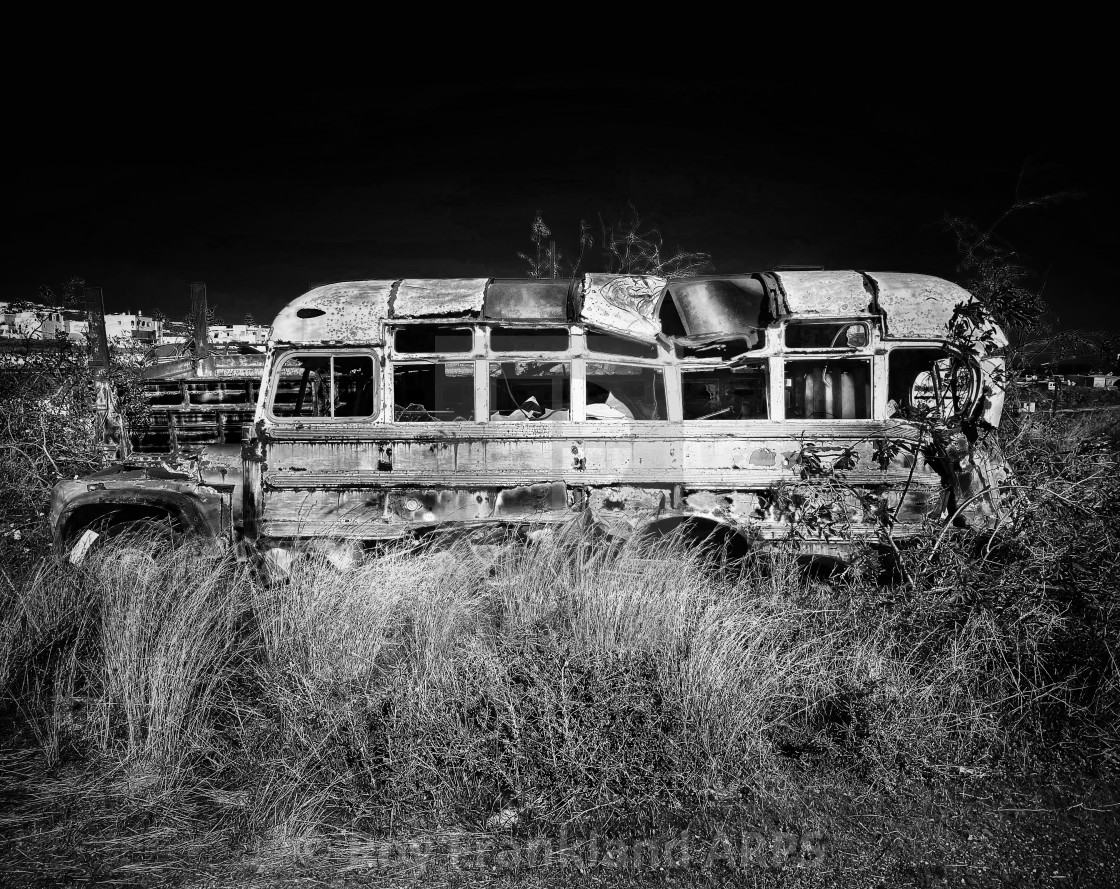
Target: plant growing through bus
{"type": "Point", "coordinates": [627, 246]}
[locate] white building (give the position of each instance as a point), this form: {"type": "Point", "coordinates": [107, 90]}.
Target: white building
{"type": "Point", "coordinates": [253, 334]}
{"type": "Point", "coordinates": [77, 328]}
{"type": "Point", "coordinates": [31, 321]}
{"type": "Point", "coordinates": [28, 320]}
{"type": "Point", "coordinates": [123, 327]}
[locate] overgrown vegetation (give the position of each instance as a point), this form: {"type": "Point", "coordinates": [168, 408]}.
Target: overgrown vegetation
{"type": "Point", "coordinates": [53, 414]}
{"type": "Point", "coordinates": [563, 685]}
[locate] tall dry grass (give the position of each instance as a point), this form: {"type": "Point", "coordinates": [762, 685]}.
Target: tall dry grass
{"type": "Point", "coordinates": [133, 648]}
{"type": "Point", "coordinates": [553, 684]}
{"type": "Point", "coordinates": [565, 683]}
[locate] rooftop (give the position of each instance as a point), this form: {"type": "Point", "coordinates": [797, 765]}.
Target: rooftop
{"type": "Point", "coordinates": [909, 306]}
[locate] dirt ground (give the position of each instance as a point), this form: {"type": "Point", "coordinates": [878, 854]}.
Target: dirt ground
{"type": "Point", "coordinates": [1060, 827]}
{"type": "Point", "coordinates": [1050, 832]}
{"type": "Point", "coordinates": [1033, 835]}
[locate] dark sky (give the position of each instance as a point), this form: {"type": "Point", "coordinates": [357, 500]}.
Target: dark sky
{"type": "Point", "coordinates": [261, 188]}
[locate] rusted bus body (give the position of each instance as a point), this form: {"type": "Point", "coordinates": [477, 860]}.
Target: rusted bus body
{"type": "Point", "coordinates": [632, 401]}
{"type": "Point", "coordinates": [183, 464]}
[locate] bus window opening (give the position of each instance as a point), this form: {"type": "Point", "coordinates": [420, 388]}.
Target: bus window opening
{"type": "Point", "coordinates": [530, 390]}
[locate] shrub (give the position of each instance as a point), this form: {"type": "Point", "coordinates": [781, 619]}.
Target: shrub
{"type": "Point", "coordinates": [51, 428]}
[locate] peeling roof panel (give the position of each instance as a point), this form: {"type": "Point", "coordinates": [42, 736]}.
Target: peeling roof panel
{"type": "Point", "coordinates": [350, 311]}
{"type": "Point", "coordinates": [721, 307]}
{"type": "Point", "coordinates": [623, 304]}
{"type": "Point", "coordinates": [920, 306]}
{"type": "Point", "coordinates": [532, 300]}
{"type": "Point", "coordinates": [824, 293]}
{"type": "Point", "coordinates": [439, 297]}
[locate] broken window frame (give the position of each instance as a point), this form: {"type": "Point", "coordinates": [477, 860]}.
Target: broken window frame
{"type": "Point", "coordinates": [658, 357]}
{"type": "Point", "coordinates": [661, 390]}
{"type": "Point", "coordinates": [783, 356]}
{"type": "Point", "coordinates": [843, 323]}
{"type": "Point", "coordinates": [626, 350]}
{"type": "Point", "coordinates": [542, 330]}
{"type": "Point", "coordinates": [505, 358]}
{"type": "Point", "coordinates": [570, 357]}
{"type": "Point", "coordinates": [713, 368]}
{"type": "Point", "coordinates": [846, 358]}
{"type": "Point", "coordinates": [442, 362]}
{"type": "Point", "coordinates": [283, 359]}
{"type": "Point", "coordinates": [969, 401]}
{"type": "Point", "coordinates": [435, 328]}
{"type": "Point", "coordinates": [397, 357]}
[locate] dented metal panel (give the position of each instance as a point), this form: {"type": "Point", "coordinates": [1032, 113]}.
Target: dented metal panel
{"type": "Point", "coordinates": [439, 297]}
{"type": "Point", "coordinates": [532, 300]}
{"type": "Point", "coordinates": [623, 304]}
{"type": "Point", "coordinates": [722, 308]}
{"type": "Point", "coordinates": [340, 482]}
{"type": "Point", "coordinates": [205, 510]}
{"type": "Point", "coordinates": [920, 306]}
{"type": "Point", "coordinates": [916, 306]}
{"type": "Point", "coordinates": [349, 312]}
{"type": "Point", "coordinates": [825, 294]}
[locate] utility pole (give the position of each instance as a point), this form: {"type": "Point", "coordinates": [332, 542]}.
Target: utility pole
{"type": "Point", "coordinates": [97, 336]}
{"type": "Point", "coordinates": [198, 317]}
{"type": "Point", "coordinates": [111, 427]}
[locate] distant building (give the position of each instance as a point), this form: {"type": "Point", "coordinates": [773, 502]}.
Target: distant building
{"type": "Point", "coordinates": [253, 334]}
{"type": "Point", "coordinates": [1095, 381]}
{"type": "Point", "coordinates": [179, 333]}
{"type": "Point", "coordinates": [32, 321]}
{"type": "Point", "coordinates": [77, 328]}
{"type": "Point", "coordinates": [125, 327]}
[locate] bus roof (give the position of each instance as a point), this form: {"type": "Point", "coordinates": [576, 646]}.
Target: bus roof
{"type": "Point", "coordinates": [910, 306]}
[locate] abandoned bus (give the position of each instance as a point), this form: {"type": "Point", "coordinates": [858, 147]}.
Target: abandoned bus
{"type": "Point", "coordinates": [764, 406]}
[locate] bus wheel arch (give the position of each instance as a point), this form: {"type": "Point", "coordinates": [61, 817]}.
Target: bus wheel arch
{"type": "Point", "coordinates": [113, 513]}
{"type": "Point", "coordinates": [116, 518]}
{"type": "Point", "coordinates": [697, 531]}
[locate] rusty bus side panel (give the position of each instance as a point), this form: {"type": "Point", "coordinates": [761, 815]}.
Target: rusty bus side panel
{"type": "Point", "coordinates": [339, 484]}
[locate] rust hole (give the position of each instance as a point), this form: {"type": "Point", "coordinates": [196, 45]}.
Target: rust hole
{"type": "Point", "coordinates": [309, 313]}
